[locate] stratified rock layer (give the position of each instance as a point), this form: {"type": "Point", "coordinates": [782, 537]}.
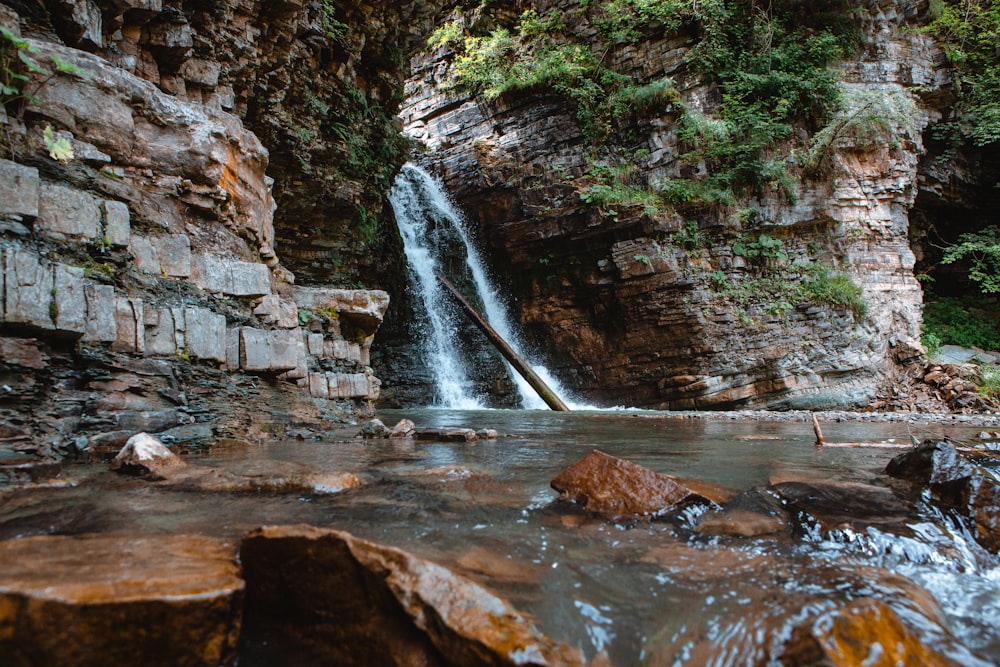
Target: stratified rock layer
{"type": "Point", "coordinates": [119, 600]}
{"type": "Point", "coordinates": [626, 316]}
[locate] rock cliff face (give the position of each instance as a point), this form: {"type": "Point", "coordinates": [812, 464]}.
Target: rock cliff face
{"type": "Point", "coordinates": [634, 309]}
{"type": "Point", "coordinates": [141, 284]}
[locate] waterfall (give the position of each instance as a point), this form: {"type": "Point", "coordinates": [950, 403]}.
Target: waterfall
{"type": "Point", "coordinates": [427, 220]}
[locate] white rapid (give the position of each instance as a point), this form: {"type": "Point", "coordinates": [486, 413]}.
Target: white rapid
{"type": "Point", "coordinates": [421, 205]}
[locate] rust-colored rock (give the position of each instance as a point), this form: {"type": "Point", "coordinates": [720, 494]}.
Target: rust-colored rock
{"type": "Point", "coordinates": [114, 600]}
{"type": "Point", "coordinates": [404, 428]}
{"type": "Point", "coordinates": [772, 611]}
{"type": "Point", "coordinates": [616, 488]}
{"type": "Point", "coordinates": [326, 597]}
{"type": "Point", "coordinates": [272, 477]}
{"type": "Point", "coordinates": [863, 632]}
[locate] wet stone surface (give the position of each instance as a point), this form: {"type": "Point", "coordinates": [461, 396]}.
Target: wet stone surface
{"type": "Point", "coordinates": [119, 600]}
{"type": "Point", "coordinates": [955, 484]}
{"type": "Point", "coordinates": [327, 597]}
{"type": "Point", "coordinates": [615, 488]}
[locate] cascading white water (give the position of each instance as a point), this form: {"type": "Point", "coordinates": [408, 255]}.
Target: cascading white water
{"type": "Point", "coordinates": [420, 202]}
{"type": "Point", "coordinates": [413, 201]}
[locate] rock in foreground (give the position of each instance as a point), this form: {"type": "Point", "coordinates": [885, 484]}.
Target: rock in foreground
{"type": "Point", "coordinates": [118, 600]}
{"type": "Point", "coordinates": [319, 596]}
{"type": "Point", "coordinates": [615, 488]}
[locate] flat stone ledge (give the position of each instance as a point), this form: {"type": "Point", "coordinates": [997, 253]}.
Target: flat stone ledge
{"type": "Point", "coordinates": [119, 600]}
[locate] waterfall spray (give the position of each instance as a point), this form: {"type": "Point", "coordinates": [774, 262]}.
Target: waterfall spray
{"type": "Point", "coordinates": [420, 202]}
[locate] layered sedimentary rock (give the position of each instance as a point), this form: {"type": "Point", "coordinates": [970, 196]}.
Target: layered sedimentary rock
{"type": "Point", "coordinates": [317, 82]}
{"type": "Point", "coordinates": [141, 289]}
{"type": "Point", "coordinates": [629, 317]}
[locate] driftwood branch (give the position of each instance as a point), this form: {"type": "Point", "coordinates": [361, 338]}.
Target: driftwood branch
{"type": "Point", "coordinates": [519, 364]}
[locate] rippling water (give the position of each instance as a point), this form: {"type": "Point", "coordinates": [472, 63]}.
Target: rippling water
{"type": "Point", "coordinates": [653, 592]}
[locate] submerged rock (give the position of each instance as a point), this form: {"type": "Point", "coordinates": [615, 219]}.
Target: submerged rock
{"type": "Point", "coordinates": [145, 455]}
{"type": "Point", "coordinates": [615, 488]}
{"type": "Point", "coordinates": [119, 600]}
{"type": "Point", "coordinates": [319, 596]}
{"type": "Point", "coordinates": [774, 611]}
{"type": "Point", "coordinates": [828, 506]}
{"type": "Point", "coordinates": [955, 483]}
{"type": "Point", "coordinates": [271, 477]}
{"type": "Point", "coordinates": [863, 632]}
{"type": "Point", "coordinates": [23, 471]}
{"type": "Point", "coordinates": [447, 434]}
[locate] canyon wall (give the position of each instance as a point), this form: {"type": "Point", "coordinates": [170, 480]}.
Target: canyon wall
{"type": "Point", "coordinates": [634, 308]}
{"type": "Point", "coordinates": [159, 157]}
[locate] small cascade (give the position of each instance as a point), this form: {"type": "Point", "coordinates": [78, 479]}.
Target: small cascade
{"type": "Point", "coordinates": [430, 224]}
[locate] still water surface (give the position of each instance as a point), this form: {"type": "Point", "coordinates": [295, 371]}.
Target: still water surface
{"type": "Point", "coordinates": [653, 592]}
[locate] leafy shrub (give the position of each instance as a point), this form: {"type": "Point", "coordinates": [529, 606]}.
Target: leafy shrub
{"type": "Point", "coordinates": [982, 249]}
{"type": "Point", "coordinates": [836, 288]}
{"type": "Point", "coordinates": [958, 321]}
{"type": "Point", "coordinates": [989, 382]}
{"type": "Point", "coordinates": [765, 251]}
{"type": "Point", "coordinates": [866, 119]}
{"type": "Point", "coordinates": [969, 31]}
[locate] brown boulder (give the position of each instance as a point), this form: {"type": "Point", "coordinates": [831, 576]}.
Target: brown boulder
{"type": "Point", "coordinates": [319, 596]}
{"type": "Point", "coordinates": [863, 632]}
{"type": "Point", "coordinates": [615, 488]}
{"type": "Point", "coordinates": [404, 428]}
{"type": "Point", "coordinates": [115, 600]}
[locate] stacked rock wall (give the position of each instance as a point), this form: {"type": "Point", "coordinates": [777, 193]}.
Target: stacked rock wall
{"type": "Point", "coordinates": [140, 286]}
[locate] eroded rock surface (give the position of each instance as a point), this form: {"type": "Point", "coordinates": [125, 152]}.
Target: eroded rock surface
{"type": "Point", "coordinates": [146, 456]}
{"type": "Point", "coordinates": [326, 597]}
{"type": "Point", "coordinates": [616, 488]}
{"type": "Point", "coordinates": [119, 600]}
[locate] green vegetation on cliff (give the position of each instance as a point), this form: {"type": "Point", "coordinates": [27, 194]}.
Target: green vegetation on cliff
{"type": "Point", "coordinates": [771, 64]}
{"type": "Point", "coordinates": [969, 33]}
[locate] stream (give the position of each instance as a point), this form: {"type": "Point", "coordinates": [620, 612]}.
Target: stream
{"type": "Point", "coordinates": [653, 592]}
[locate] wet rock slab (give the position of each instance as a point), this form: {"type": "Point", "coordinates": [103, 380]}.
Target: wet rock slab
{"type": "Point", "coordinates": [146, 456]}
{"type": "Point", "coordinates": [827, 506]}
{"type": "Point", "coordinates": [118, 600]}
{"type": "Point", "coordinates": [318, 597]}
{"type": "Point", "coordinates": [615, 488]}
{"type": "Point", "coordinates": [955, 483]}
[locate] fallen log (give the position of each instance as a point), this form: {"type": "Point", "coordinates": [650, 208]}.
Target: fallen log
{"type": "Point", "coordinates": [821, 442]}
{"type": "Point", "coordinates": [519, 364]}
